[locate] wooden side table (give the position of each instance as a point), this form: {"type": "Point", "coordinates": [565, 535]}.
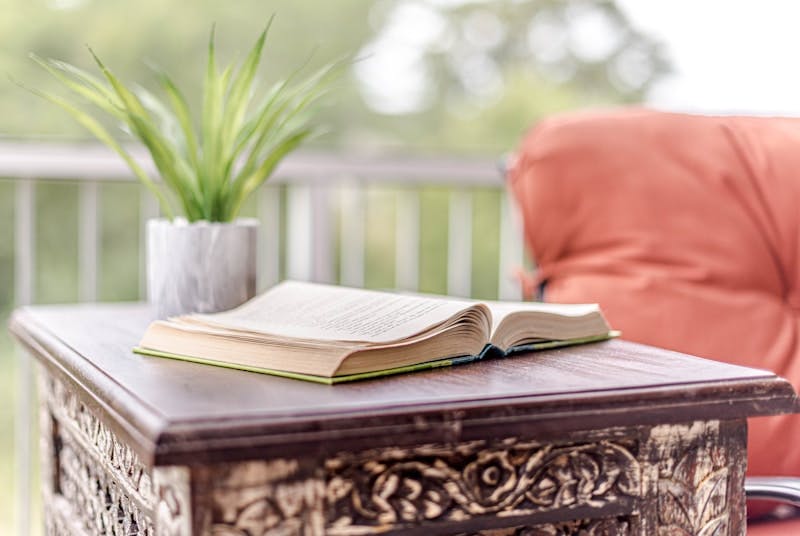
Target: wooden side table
{"type": "Point", "coordinates": [605, 439]}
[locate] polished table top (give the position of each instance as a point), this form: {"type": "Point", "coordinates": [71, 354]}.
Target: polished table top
{"type": "Point", "coordinates": [172, 411]}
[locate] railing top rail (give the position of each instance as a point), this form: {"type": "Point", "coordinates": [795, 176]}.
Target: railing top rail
{"type": "Point", "coordinates": [84, 161]}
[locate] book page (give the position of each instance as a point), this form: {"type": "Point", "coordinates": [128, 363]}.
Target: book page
{"type": "Point", "coordinates": [324, 312]}
{"type": "Point", "coordinates": [500, 310]}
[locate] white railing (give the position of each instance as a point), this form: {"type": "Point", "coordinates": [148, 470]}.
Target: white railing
{"type": "Point", "coordinates": [316, 184]}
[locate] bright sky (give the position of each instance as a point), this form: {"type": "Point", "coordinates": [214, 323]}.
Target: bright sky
{"type": "Point", "coordinates": [734, 56]}
{"type": "Point", "coordinates": [728, 56]}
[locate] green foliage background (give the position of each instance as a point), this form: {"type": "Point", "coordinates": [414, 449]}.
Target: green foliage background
{"type": "Point", "coordinates": [173, 34]}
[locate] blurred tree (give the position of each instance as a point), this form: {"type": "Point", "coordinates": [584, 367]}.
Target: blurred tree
{"type": "Point", "coordinates": [471, 75]}
{"type": "Point", "coordinates": [171, 34]}
{"type": "Point", "coordinates": [463, 75]}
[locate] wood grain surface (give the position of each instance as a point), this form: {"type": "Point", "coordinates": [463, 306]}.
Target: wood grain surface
{"type": "Point", "coordinates": [178, 412]}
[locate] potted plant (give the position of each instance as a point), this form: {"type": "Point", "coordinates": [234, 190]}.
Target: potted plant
{"type": "Point", "coordinates": [200, 258]}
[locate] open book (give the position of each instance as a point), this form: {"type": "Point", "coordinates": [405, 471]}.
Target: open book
{"type": "Point", "coordinates": [332, 334]}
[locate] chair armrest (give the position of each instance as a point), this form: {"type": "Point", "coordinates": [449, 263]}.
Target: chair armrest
{"type": "Point", "coordinates": [773, 488]}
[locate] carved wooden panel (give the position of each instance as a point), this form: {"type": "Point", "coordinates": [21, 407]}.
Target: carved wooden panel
{"type": "Point", "coordinates": [697, 478]}
{"type": "Point", "coordinates": [78, 425]}
{"type": "Point", "coordinates": [98, 500]}
{"type": "Point", "coordinates": [377, 489]}
{"type": "Point", "coordinates": [657, 481]}
{"type": "Point", "coordinates": [258, 498]}
{"type": "Point", "coordinates": [60, 520]}
{"type": "Point", "coordinates": [95, 483]}
{"type": "Point", "coordinates": [173, 501]}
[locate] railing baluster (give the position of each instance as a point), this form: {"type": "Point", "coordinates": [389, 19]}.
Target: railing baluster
{"type": "Point", "coordinates": [352, 253]}
{"type": "Point", "coordinates": [25, 262]}
{"type": "Point", "coordinates": [269, 247]}
{"type": "Point", "coordinates": [88, 241]}
{"type": "Point", "coordinates": [24, 236]}
{"type": "Point", "coordinates": [322, 234]}
{"type": "Point", "coordinates": [407, 243]}
{"type": "Point", "coordinates": [459, 244]}
{"type": "Point", "coordinates": [298, 233]}
{"type": "Point", "coordinates": [148, 209]}
{"type": "Point", "coordinates": [511, 251]}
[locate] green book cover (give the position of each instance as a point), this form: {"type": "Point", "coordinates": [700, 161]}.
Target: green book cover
{"type": "Point", "coordinates": [489, 352]}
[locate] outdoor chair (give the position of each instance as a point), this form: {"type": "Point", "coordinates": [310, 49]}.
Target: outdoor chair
{"type": "Point", "coordinates": [686, 229]}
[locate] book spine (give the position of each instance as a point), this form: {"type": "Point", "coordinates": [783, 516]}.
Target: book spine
{"type": "Point", "coordinates": [490, 351]}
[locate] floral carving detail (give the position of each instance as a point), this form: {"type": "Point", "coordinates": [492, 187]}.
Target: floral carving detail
{"type": "Point", "coordinates": [405, 491]}
{"type": "Point", "coordinates": [114, 456]}
{"type": "Point", "coordinates": [258, 498]}
{"type": "Point", "coordinates": [257, 517]}
{"type": "Point", "coordinates": [693, 499]}
{"type": "Point", "coordinates": [492, 478]}
{"type": "Point", "coordinates": [411, 490]}
{"type": "Point", "coordinates": [107, 488]}
{"type": "Point", "coordinates": [583, 475]}
{"type": "Point", "coordinates": [399, 487]}
{"type": "Point", "coordinates": [173, 489]}
{"type": "Point", "coordinates": [99, 504]}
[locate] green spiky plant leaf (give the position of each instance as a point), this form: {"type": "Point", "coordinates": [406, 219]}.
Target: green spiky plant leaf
{"type": "Point", "coordinates": [211, 163]}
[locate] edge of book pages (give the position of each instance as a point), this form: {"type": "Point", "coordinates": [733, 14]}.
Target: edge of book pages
{"type": "Point", "coordinates": [489, 351]}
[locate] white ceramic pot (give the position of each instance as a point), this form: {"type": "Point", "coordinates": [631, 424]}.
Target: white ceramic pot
{"type": "Point", "coordinates": [200, 267]}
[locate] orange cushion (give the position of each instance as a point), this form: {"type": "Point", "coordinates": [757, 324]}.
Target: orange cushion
{"type": "Point", "coordinates": [685, 229]}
